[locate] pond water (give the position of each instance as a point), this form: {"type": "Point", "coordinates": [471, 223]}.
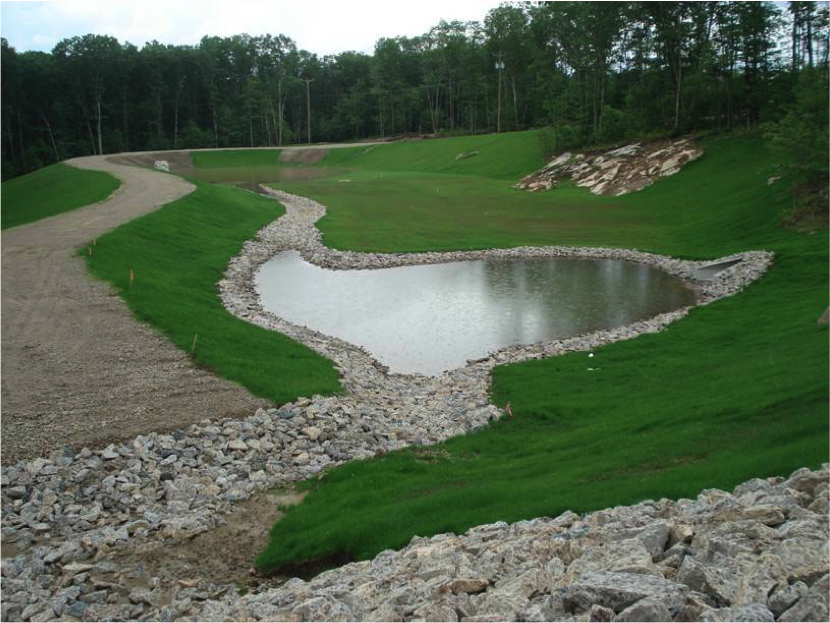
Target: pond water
{"type": "Point", "coordinates": [430, 318]}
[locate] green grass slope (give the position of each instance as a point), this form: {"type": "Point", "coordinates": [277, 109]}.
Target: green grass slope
{"type": "Point", "coordinates": [716, 205]}
{"type": "Point", "coordinates": [52, 190]}
{"type": "Point", "coordinates": [738, 389]}
{"type": "Point", "coordinates": [177, 255]}
{"type": "Point", "coordinates": [506, 156]}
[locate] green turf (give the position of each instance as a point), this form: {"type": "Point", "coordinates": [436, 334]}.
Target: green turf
{"type": "Point", "coordinates": [52, 190]}
{"type": "Point", "coordinates": [506, 156]}
{"type": "Point", "coordinates": [415, 210]}
{"type": "Point", "coordinates": [738, 389]}
{"type": "Point", "coordinates": [177, 255]}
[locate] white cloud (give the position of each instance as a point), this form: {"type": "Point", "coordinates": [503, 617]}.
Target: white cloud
{"type": "Point", "coordinates": [320, 26]}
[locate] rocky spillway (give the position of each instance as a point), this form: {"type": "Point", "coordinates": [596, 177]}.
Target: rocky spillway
{"type": "Point", "coordinates": [615, 172]}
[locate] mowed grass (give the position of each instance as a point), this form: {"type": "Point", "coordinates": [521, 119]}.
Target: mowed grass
{"type": "Point", "coordinates": [52, 190]}
{"type": "Point", "coordinates": [739, 389]}
{"type": "Point", "coordinates": [506, 156]}
{"type": "Point", "coordinates": [426, 210]}
{"type": "Point", "coordinates": [177, 256]}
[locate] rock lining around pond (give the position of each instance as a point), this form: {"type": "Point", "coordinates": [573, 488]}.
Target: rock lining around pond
{"type": "Point", "coordinates": [67, 515]}
{"type": "Point", "coordinates": [296, 231]}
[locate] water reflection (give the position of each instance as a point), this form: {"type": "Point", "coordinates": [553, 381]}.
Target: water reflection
{"type": "Point", "coordinates": [432, 318]}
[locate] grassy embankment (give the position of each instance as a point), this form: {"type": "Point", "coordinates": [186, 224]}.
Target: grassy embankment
{"type": "Point", "coordinates": [52, 190]}
{"type": "Point", "coordinates": [217, 166]}
{"type": "Point", "coordinates": [738, 389]}
{"type": "Point", "coordinates": [251, 166]}
{"type": "Point", "coordinates": [177, 255]}
{"type": "Point", "coordinates": [236, 158]}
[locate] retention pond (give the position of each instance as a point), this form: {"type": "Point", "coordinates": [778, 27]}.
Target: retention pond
{"type": "Point", "coordinates": [430, 318]}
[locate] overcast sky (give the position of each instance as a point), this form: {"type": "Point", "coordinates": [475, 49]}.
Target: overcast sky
{"type": "Point", "coordinates": [323, 27]}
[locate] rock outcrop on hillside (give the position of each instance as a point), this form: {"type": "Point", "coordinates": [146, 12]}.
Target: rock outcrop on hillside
{"type": "Point", "coordinates": [616, 172]}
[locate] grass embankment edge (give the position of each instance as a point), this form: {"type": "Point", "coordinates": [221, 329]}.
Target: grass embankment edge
{"type": "Point", "coordinates": [166, 264]}
{"type": "Point", "coordinates": [52, 190]}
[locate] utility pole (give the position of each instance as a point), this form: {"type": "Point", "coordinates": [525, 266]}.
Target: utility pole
{"type": "Point", "coordinates": [380, 108]}
{"type": "Point", "coordinates": [500, 68]}
{"type": "Point", "coordinates": [279, 107]}
{"type": "Point", "coordinates": [308, 82]}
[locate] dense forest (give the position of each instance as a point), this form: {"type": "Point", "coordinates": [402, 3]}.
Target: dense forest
{"type": "Point", "coordinates": [591, 72]}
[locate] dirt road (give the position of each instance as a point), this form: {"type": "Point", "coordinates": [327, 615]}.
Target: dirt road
{"type": "Point", "coordinates": [77, 369]}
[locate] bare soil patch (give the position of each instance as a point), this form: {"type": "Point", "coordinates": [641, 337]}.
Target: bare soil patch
{"type": "Point", "coordinates": [177, 160]}
{"type": "Point", "coordinates": [808, 222]}
{"type": "Point", "coordinates": [77, 368]}
{"type": "Point", "coordinates": [223, 555]}
{"type": "Point", "coordinates": [303, 156]}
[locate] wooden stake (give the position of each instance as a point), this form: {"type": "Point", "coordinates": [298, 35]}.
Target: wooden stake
{"type": "Point", "coordinates": [193, 345]}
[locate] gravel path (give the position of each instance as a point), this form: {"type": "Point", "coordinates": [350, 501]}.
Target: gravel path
{"type": "Point", "coordinates": [77, 369]}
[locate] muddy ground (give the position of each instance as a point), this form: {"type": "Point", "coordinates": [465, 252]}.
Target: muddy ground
{"type": "Point", "coordinates": [223, 555]}
{"type": "Point", "coordinates": [303, 156]}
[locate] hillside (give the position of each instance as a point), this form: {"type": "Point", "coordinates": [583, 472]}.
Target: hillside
{"type": "Point", "coordinates": [52, 190]}
{"type": "Point", "coordinates": [709, 402]}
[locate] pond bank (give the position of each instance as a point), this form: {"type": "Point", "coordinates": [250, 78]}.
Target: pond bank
{"type": "Point", "coordinates": [296, 231]}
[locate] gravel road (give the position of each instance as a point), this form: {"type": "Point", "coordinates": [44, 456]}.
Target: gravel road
{"type": "Point", "coordinates": [77, 369]}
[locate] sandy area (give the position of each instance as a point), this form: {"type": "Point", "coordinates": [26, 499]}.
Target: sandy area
{"type": "Point", "coordinates": [77, 369]}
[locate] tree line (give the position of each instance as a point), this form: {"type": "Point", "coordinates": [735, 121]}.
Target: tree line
{"type": "Point", "coordinates": [591, 72]}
